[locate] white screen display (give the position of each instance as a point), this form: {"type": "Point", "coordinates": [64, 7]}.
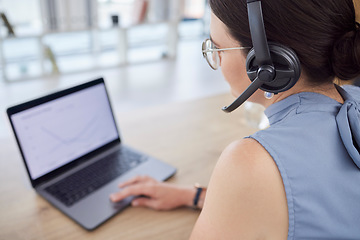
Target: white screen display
{"type": "Point", "coordinates": [57, 132]}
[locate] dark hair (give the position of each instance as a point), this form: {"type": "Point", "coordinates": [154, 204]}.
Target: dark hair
{"type": "Point", "coordinates": [323, 33]}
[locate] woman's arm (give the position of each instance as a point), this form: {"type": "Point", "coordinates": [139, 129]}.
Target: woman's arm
{"type": "Point", "coordinates": [157, 195]}
{"type": "Point", "coordinates": [245, 198]}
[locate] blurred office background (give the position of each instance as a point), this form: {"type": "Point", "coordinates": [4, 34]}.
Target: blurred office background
{"type": "Point", "coordinates": [148, 51]}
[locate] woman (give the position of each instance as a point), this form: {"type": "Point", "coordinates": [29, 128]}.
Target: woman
{"type": "Point", "coordinates": [298, 179]}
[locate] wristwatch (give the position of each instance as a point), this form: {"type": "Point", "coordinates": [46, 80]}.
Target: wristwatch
{"type": "Point", "coordinates": [199, 190]}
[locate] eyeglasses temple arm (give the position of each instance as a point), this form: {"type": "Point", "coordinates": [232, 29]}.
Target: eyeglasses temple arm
{"type": "Point", "coordinates": [223, 49]}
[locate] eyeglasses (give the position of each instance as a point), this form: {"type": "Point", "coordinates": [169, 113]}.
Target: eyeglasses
{"type": "Point", "coordinates": [211, 53]}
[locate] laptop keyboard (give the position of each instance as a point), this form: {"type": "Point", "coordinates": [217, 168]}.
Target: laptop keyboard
{"type": "Point", "coordinates": [80, 184]}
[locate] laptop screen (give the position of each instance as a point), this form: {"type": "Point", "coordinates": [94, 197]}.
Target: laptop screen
{"type": "Point", "coordinates": [59, 131]}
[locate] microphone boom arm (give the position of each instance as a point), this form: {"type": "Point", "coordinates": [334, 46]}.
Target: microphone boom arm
{"type": "Point", "coordinates": [255, 85]}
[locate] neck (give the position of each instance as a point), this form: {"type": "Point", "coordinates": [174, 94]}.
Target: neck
{"type": "Point", "coordinates": [327, 89]}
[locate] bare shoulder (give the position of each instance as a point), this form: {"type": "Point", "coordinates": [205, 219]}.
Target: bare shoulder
{"type": "Point", "coordinates": [246, 197]}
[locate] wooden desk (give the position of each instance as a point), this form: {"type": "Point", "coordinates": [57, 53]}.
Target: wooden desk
{"type": "Point", "coordinates": [189, 135]}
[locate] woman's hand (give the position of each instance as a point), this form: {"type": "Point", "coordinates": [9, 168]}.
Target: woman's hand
{"type": "Point", "coordinates": [154, 194]}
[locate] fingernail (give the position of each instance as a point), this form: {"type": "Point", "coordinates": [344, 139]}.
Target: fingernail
{"type": "Point", "coordinates": [135, 203]}
{"type": "Point", "coordinates": [112, 197]}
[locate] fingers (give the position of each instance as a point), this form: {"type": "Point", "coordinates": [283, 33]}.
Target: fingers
{"type": "Point", "coordinates": [145, 202]}
{"type": "Point", "coordinates": [137, 179]}
{"type": "Point", "coordinates": [133, 190]}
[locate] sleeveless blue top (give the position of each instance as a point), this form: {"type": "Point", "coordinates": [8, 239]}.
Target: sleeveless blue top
{"type": "Point", "coordinates": [314, 141]}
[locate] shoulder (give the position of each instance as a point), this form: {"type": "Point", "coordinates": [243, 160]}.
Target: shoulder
{"type": "Point", "coordinates": [239, 151]}
{"type": "Point", "coordinates": [249, 159]}
{"type": "Point", "coordinates": [246, 198]}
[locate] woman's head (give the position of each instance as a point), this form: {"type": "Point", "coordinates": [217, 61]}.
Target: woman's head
{"type": "Point", "coordinates": [323, 33]}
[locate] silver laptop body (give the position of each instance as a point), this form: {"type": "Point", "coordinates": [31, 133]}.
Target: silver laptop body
{"type": "Point", "coordinates": [73, 154]}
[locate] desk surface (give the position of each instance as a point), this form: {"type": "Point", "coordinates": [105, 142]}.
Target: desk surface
{"type": "Point", "coordinates": [189, 135]}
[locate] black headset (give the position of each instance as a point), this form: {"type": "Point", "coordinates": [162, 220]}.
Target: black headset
{"type": "Point", "coordinates": [271, 67]}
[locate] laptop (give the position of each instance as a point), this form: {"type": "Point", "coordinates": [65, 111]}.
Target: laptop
{"type": "Point", "coordinates": [73, 154]}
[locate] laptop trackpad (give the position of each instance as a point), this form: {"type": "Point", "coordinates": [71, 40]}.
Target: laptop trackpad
{"type": "Point", "coordinates": [97, 207]}
{"type": "Point", "coordinates": [89, 216]}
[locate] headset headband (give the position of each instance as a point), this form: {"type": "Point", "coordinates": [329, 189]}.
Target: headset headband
{"type": "Point", "coordinates": [257, 31]}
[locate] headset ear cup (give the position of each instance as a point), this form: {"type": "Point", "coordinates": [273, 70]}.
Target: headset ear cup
{"type": "Point", "coordinates": [286, 64]}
